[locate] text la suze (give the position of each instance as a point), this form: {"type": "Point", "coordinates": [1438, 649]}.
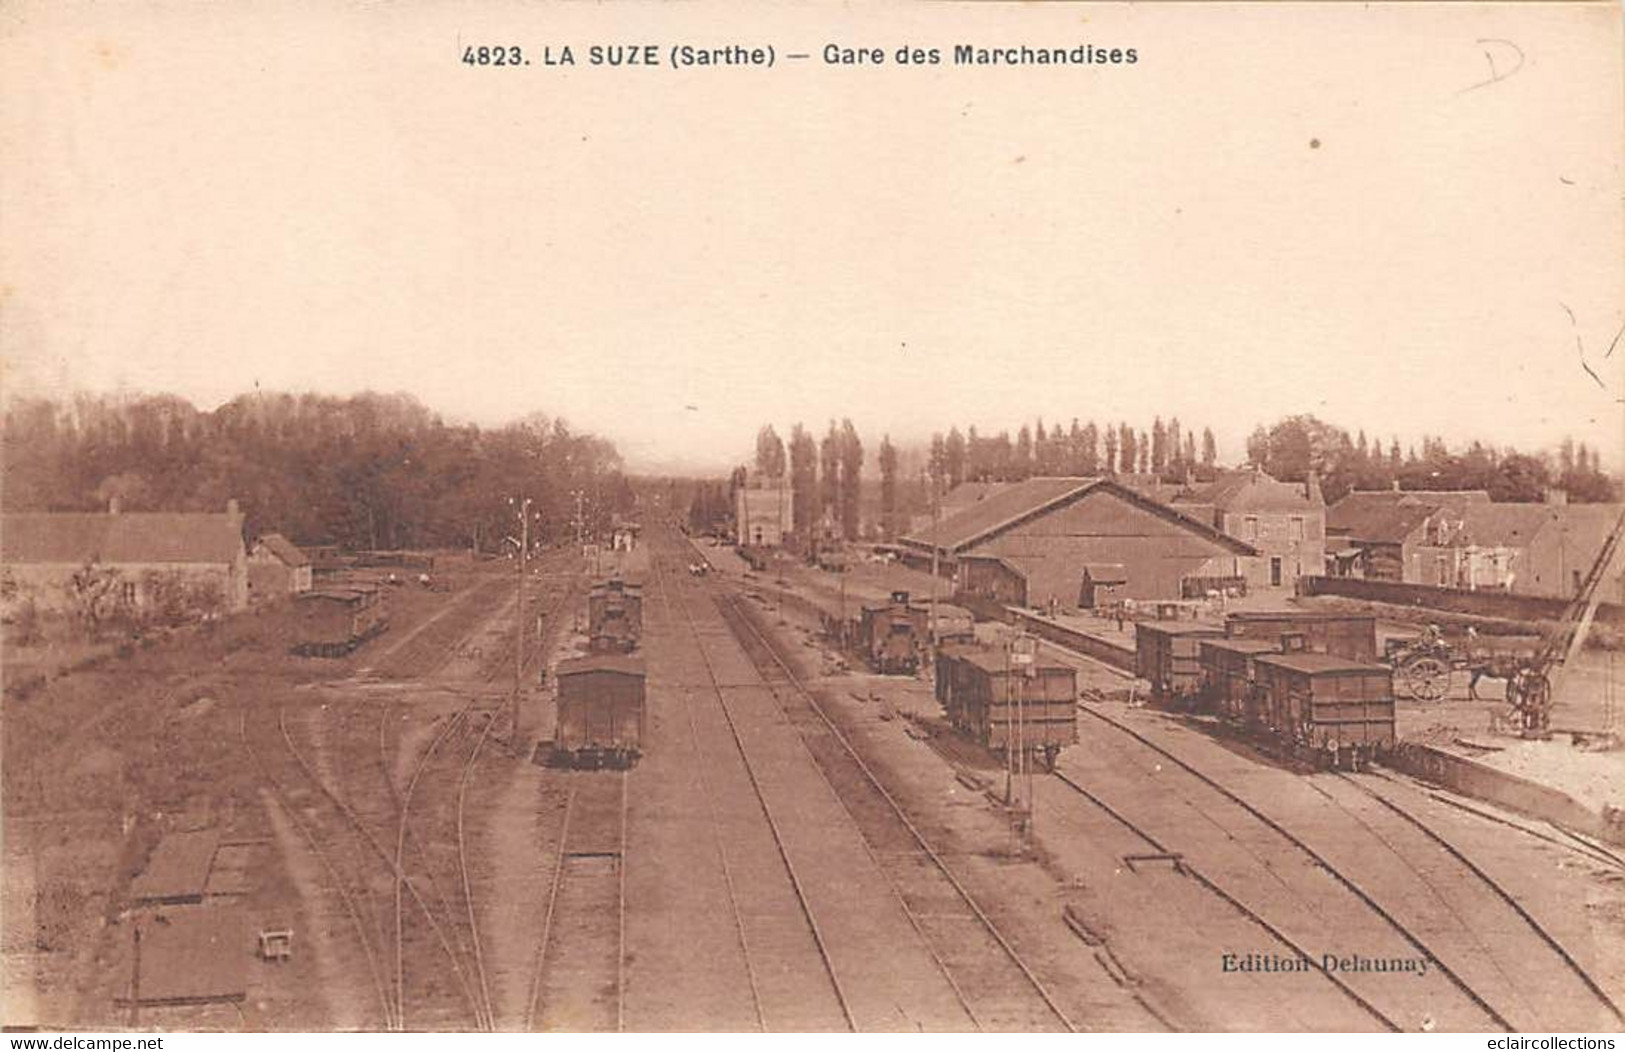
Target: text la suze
{"type": "Point", "coordinates": [604, 55]}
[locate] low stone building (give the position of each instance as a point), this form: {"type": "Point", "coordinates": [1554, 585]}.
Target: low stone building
{"type": "Point", "coordinates": [277, 568]}
{"type": "Point", "coordinates": [139, 559]}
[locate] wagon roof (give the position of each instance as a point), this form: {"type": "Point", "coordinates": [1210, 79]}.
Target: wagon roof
{"type": "Point", "coordinates": [1316, 663]}
{"type": "Point", "coordinates": [1297, 615]}
{"type": "Point", "coordinates": [1178, 628]}
{"type": "Point", "coordinates": [993, 661]}
{"type": "Point", "coordinates": [1241, 646]}
{"type": "Point", "coordinates": [617, 663]}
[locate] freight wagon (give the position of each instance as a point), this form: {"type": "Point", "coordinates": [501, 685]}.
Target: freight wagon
{"type": "Point", "coordinates": [614, 617]}
{"type": "Point", "coordinates": [1324, 708]}
{"type": "Point", "coordinates": [1004, 705]}
{"type": "Point", "coordinates": [334, 621]}
{"type": "Point", "coordinates": [1167, 655]}
{"type": "Point", "coordinates": [1349, 636]}
{"type": "Point", "coordinates": [1227, 673]}
{"type": "Point", "coordinates": [600, 711]}
{"type": "Point", "coordinates": [890, 635]}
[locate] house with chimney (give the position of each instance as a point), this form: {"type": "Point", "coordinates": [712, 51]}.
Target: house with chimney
{"type": "Point", "coordinates": [1284, 521]}
{"type": "Point", "coordinates": [145, 553]}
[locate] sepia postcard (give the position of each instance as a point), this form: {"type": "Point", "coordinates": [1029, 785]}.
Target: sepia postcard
{"type": "Point", "coordinates": [951, 517]}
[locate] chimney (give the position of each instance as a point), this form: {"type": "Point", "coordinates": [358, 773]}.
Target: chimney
{"type": "Point", "coordinates": [115, 504]}
{"type": "Point", "coordinates": [1312, 491]}
{"type": "Point", "coordinates": [233, 508]}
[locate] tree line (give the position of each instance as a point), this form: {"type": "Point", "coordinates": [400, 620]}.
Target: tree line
{"type": "Point", "coordinates": [374, 471]}
{"type": "Point", "coordinates": [825, 475]}
{"type": "Point", "coordinates": [1297, 445]}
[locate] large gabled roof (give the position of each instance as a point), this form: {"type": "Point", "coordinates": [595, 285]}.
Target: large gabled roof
{"type": "Point", "coordinates": [60, 538]}
{"type": "Point", "coordinates": [1022, 501]}
{"type": "Point", "coordinates": [1386, 522]}
{"type": "Point", "coordinates": [1249, 491]}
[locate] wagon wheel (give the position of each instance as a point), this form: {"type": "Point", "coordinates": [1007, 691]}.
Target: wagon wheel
{"type": "Point", "coordinates": [1426, 677]}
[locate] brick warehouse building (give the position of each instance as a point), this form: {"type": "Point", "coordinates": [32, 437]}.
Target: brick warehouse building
{"type": "Point", "coordinates": [41, 551]}
{"type": "Point", "coordinates": [1046, 540]}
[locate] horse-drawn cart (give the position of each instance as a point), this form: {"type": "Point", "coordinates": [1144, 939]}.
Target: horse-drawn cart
{"type": "Point", "coordinates": [1425, 666]}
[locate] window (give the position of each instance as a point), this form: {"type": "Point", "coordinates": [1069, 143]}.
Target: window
{"type": "Point", "coordinates": [128, 590]}
{"type": "Point", "coordinates": [1295, 528]}
{"type": "Point", "coordinates": [1249, 528]}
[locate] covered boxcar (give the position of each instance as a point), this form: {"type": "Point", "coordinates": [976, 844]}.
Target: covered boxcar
{"type": "Point", "coordinates": [891, 634]}
{"type": "Point", "coordinates": [1352, 636]}
{"type": "Point", "coordinates": [1002, 704]}
{"type": "Point", "coordinates": [334, 621]}
{"type": "Point", "coordinates": [1227, 673]}
{"type": "Point", "coordinates": [614, 617]}
{"type": "Point", "coordinates": [1166, 655]}
{"type": "Point", "coordinates": [953, 624]}
{"type": "Point", "coordinates": [1325, 708]}
{"type": "Point", "coordinates": [600, 711]}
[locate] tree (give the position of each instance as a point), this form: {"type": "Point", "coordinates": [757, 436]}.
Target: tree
{"type": "Point", "coordinates": [803, 482]}
{"type": "Point", "coordinates": [1159, 446]}
{"type": "Point", "coordinates": [829, 475]}
{"type": "Point", "coordinates": [769, 453]}
{"type": "Point", "coordinates": [1210, 449]}
{"type": "Point", "coordinates": [888, 487]}
{"type": "Point", "coordinates": [851, 455]}
{"type": "Point", "coordinates": [1111, 450]}
{"type": "Point", "coordinates": [1126, 450]}
{"type": "Point", "coordinates": [1023, 465]}
{"type": "Point", "coordinates": [1258, 446]}
{"type": "Point", "coordinates": [954, 455]}
{"type": "Point", "coordinates": [1089, 462]}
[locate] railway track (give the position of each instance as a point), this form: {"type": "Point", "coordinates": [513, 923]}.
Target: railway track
{"type": "Point", "coordinates": [994, 984]}
{"type": "Point", "coordinates": [796, 883]}
{"type": "Point", "coordinates": [578, 981]}
{"type": "Point", "coordinates": [718, 840]}
{"type": "Point", "coordinates": [1475, 1007]}
{"type": "Point", "coordinates": [1539, 974]}
{"type": "Point", "coordinates": [398, 858]}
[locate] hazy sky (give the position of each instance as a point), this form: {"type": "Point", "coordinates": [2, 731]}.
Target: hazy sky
{"type": "Point", "coordinates": [201, 198]}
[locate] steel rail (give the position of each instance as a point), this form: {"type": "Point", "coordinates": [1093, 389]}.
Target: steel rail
{"type": "Point", "coordinates": [919, 838]}
{"type": "Point", "coordinates": [772, 824]}
{"type": "Point", "coordinates": [457, 720]}
{"type": "Point", "coordinates": [545, 940]}
{"type": "Point", "coordinates": [303, 825]}
{"type": "Point", "coordinates": [1336, 874]}
{"type": "Point", "coordinates": [1247, 911]}
{"type": "Point", "coordinates": [1500, 892]}
{"type": "Point", "coordinates": [716, 825]}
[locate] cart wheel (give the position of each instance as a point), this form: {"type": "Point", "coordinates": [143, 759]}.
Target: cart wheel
{"type": "Point", "coordinates": [1427, 678]}
{"type": "Point", "coordinates": [1051, 754]}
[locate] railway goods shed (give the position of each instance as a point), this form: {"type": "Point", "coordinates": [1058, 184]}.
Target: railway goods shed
{"type": "Point", "coordinates": [1057, 542]}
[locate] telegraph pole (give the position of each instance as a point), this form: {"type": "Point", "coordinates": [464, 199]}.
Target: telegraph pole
{"type": "Point", "coordinates": [519, 626]}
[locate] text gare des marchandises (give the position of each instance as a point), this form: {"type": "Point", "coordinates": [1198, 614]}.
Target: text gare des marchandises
{"type": "Point", "coordinates": [687, 56]}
